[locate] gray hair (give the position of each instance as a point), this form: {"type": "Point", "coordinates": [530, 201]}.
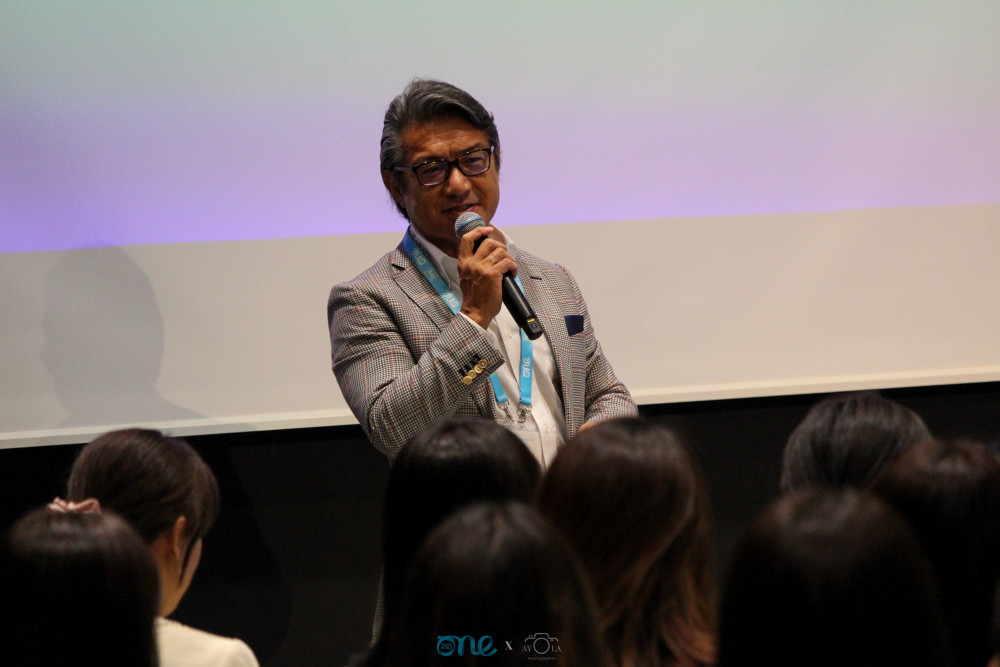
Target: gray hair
{"type": "Point", "coordinates": [423, 101]}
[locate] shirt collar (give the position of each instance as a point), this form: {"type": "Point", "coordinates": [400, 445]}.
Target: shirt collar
{"type": "Point", "coordinates": [448, 266]}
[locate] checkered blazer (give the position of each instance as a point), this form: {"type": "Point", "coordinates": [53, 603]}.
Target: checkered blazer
{"type": "Point", "coordinates": [404, 361]}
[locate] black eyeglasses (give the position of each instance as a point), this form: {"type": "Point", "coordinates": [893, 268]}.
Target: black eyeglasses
{"type": "Point", "coordinates": [435, 172]}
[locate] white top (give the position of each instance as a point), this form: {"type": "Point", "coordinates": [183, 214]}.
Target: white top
{"type": "Point", "coordinates": [543, 431]}
{"type": "Point", "coordinates": [181, 646]}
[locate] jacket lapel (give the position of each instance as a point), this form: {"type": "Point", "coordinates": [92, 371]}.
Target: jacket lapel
{"type": "Point", "coordinates": [540, 293]}
{"type": "Point", "coordinates": [416, 287]}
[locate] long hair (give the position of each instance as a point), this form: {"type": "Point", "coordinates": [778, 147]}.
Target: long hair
{"type": "Point", "coordinates": [846, 439]}
{"type": "Point", "coordinates": [149, 479]}
{"type": "Point", "coordinates": [830, 577]}
{"type": "Point", "coordinates": [496, 570]}
{"type": "Point", "coordinates": [440, 470]}
{"type": "Point", "coordinates": [76, 589]}
{"type": "Point", "coordinates": [631, 500]}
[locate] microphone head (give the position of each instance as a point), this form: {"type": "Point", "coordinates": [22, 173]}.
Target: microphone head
{"type": "Point", "coordinates": [468, 221]}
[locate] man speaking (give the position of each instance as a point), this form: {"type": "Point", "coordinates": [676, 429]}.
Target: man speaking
{"type": "Point", "coordinates": [424, 335]}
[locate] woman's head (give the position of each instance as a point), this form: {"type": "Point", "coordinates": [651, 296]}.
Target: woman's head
{"type": "Point", "coordinates": [442, 469]}
{"type": "Point", "coordinates": [830, 577]}
{"type": "Point", "coordinates": [162, 487]}
{"type": "Point", "coordinates": [949, 491]}
{"type": "Point", "coordinates": [76, 589]}
{"type": "Point", "coordinates": [845, 440]}
{"type": "Point", "coordinates": [495, 570]}
{"type": "Point", "coordinates": [631, 500]}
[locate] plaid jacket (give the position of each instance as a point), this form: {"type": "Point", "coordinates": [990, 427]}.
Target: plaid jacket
{"type": "Point", "coordinates": [404, 361]}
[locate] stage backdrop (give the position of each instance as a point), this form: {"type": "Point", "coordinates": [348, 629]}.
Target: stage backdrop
{"type": "Point", "coordinates": [757, 198]}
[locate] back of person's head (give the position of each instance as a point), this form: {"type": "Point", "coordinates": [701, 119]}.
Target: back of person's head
{"type": "Point", "coordinates": [162, 487]}
{"type": "Point", "coordinates": [442, 469]}
{"type": "Point", "coordinates": [630, 498]}
{"type": "Point", "coordinates": [830, 577]}
{"type": "Point", "coordinates": [495, 570]}
{"type": "Point", "coordinates": [148, 478]}
{"type": "Point", "coordinates": [949, 491]}
{"type": "Point", "coordinates": [845, 440]}
{"type": "Point", "coordinates": [76, 589]}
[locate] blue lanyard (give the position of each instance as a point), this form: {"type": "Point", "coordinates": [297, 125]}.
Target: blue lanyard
{"type": "Point", "coordinates": [525, 370]}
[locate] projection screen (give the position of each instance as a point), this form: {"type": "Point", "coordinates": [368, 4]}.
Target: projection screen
{"type": "Point", "coordinates": [756, 198]}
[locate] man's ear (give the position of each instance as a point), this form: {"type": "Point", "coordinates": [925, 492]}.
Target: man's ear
{"type": "Point", "coordinates": [392, 185]}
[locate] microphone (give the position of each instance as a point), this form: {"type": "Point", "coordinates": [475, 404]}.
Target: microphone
{"type": "Point", "coordinates": [513, 297]}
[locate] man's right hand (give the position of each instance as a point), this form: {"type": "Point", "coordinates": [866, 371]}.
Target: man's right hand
{"type": "Point", "coordinates": [480, 272]}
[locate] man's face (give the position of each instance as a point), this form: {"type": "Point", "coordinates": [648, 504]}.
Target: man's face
{"type": "Point", "coordinates": [433, 209]}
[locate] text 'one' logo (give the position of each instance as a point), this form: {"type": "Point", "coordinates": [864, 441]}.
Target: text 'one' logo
{"type": "Point", "coordinates": [454, 645]}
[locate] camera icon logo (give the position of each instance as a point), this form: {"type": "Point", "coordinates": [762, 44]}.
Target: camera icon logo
{"type": "Point", "coordinates": [541, 643]}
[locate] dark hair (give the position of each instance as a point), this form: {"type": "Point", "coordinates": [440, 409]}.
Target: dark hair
{"type": "Point", "coordinates": [424, 101]}
{"type": "Point", "coordinates": [150, 479]}
{"type": "Point", "coordinates": [950, 493]}
{"type": "Point", "coordinates": [845, 440]}
{"type": "Point", "coordinates": [76, 589]}
{"type": "Point", "coordinates": [830, 577]}
{"type": "Point", "coordinates": [440, 470]}
{"type": "Point", "coordinates": [496, 569]}
{"type": "Point", "coordinates": [995, 627]}
{"type": "Point", "coordinates": [630, 498]}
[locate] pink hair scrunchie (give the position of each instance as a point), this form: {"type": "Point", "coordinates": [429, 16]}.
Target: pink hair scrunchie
{"type": "Point", "coordinates": [88, 506]}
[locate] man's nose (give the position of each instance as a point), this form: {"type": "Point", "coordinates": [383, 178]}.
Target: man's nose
{"type": "Point", "coordinates": [457, 182]}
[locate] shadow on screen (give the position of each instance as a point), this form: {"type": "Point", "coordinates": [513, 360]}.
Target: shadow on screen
{"type": "Point", "coordinates": [104, 341]}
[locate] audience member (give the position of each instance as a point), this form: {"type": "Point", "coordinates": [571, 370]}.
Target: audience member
{"type": "Point", "coordinates": [163, 488]}
{"type": "Point", "coordinates": [950, 493]}
{"type": "Point", "coordinates": [846, 439]}
{"type": "Point", "coordinates": [995, 636]}
{"type": "Point", "coordinates": [630, 498]}
{"type": "Point", "coordinates": [76, 589]}
{"type": "Point", "coordinates": [830, 577]}
{"type": "Point", "coordinates": [494, 585]}
{"type": "Point", "coordinates": [440, 470]}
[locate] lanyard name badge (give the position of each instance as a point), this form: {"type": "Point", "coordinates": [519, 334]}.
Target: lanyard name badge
{"type": "Point", "coordinates": [525, 370]}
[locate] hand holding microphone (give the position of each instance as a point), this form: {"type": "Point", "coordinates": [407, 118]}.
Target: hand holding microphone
{"type": "Point", "coordinates": [513, 297]}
